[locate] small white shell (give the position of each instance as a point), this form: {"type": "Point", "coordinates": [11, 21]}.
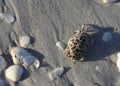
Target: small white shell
{"type": "Point", "coordinates": [14, 72]}
{"type": "Point", "coordinates": [56, 73]}
{"type": "Point", "coordinates": [24, 41]}
{"type": "Point", "coordinates": [118, 61]}
{"type": "Point", "coordinates": [107, 36]}
{"type": "Point", "coordinates": [36, 63]}
{"type": "Point", "coordinates": [7, 17]}
{"type": "Point", "coordinates": [17, 54]}
{"type": "Point", "coordinates": [3, 63]}
{"type": "Point", "coordinates": [61, 45]}
{"type": "Point", "coordinates": [109, 1]}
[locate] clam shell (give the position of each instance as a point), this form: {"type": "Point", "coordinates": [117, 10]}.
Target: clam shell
{"type": "Point", "coordinates": [56, 73]}
{"type": "Point", "coordinates": [24, 41]}
{"type": "Point", "coordinates": [109, 1]}
{"type": "Point", "coordinates": [61, 45]}
{"type": "Point", "coordinates": [118, 61]}
{"type": "Point", "coordinates": [107, 36]}
{"type": "Point", "coordinates": [14, 72]}
{"type": "Point", "coordinates": [17, 54]}
{"type": "Point", "coordinates": [3, 63]}
{"type": "Point", "coordinates": [7, 17]}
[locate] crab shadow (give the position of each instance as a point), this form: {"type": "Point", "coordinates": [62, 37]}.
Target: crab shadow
{"type": "Point", "coordinates": [100, 49]}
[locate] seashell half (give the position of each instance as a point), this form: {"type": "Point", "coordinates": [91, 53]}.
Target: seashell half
{"type": "Point", "coordinates": [56, 73]}
{"type": "Point", "coordinates": [14, 72]}
{"type": "Point", "coordinates": [3, 63]}
{"type": "Point", "coordinates": [24, 41]}
{"type": "Point", "coordinates": [17, 54]}
{"type": "Point", "coordinates": [7, 17]}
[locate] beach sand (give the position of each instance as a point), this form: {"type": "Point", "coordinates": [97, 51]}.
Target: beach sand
{"type": "Point", "coordinates": [49, 21]}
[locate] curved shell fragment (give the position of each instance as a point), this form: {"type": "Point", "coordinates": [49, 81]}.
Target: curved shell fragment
{"type": "Point", "coordinates": [7, 17]}
{"type": "Point", "coordinates": [36, 63]}
{"type": "Point", "coordinates": [56, 73]}
{"type": "Point", "coordinates": [61, 45]}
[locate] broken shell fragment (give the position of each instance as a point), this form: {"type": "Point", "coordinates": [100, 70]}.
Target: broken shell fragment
{"type": "Point", "coordinates": [56, 73]}
{"type": "Point", "coordinates": [7, 17]}
{"type": "Point", "coordinates": [109, 1]}
{"type": "Point", "coordinates": [14, 72]}
{"type": "Point", "coordinates": [24, 41]}
{"type": "Point", "coordinates": [118, 61]}
{"type": "Point", "coordinates": [61, 45]}
{"type": "Point", "coordinates": [17, 54]}
{"type": "Point", "coordinates": [3, 63]}
{"type": "Point", "coordinates": [107, 36]}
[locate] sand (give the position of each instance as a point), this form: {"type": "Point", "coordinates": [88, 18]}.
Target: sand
{"type": "Point", "coordinates": [49, 21]}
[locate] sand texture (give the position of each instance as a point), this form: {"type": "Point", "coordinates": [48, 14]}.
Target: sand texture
{"type": "Point", "coordinates": [50, 21]}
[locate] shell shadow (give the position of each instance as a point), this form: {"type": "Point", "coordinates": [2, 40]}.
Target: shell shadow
{"type": "Point", "coordinates": [35, 53]}
{"type": "Point", "coordinates": [66, 69]}
{"type": "Point", "coordinates": [101, 50]}
{"type": "Point", "coordinates": [25, 75]}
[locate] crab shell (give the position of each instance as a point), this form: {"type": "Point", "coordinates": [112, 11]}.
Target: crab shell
{"type": "Point", "coordinates": [78, 46]}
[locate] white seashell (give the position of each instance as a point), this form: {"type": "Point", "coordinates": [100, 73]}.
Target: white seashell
{"type": "Point", "coordinates": [36, 63]}
{"type": "Point", "coordinates": [7, 17]}
{"type": "Point", "coordinates": [14, 72]}
{"type": "Point", "coordinates": [17, 54]}
{"type": "Point", "coordinates": [3, 63]}
{"type": "Point", "coordinates": [24, 41]}
{"type": "Point", "coordinates": [109, 1]}
{"type": "Point", "coordinates": [107, 36]}
{"type": "Point", "coordinates": [56, 73]}
{"type": "Point", "coordinates": [118, 61]}
{"type": "Point", "coordinates": [61, 45]}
